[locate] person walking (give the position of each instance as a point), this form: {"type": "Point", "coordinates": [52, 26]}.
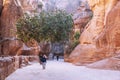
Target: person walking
{"type": "Point", "coordinates": [43, 60]}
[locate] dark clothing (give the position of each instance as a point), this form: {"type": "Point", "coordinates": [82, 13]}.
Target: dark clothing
{"type": "Point", "coordinates": [57, 57]}
{"type": "Point", "coordinates": [42, 59]}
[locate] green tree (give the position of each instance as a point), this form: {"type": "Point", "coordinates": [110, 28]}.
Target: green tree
{"type": "Point", "coordinates": [54, 26]}
{"type": "Point", "coordinates": [76, 39]}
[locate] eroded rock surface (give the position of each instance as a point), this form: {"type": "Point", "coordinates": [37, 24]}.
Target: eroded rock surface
{"type": "Point", "coordinates": [10, 13]}
{"type": "Point", "coordinates": [81, 17]}
{"type": "Point", "coordinates": [112, 63]}
{"type": "Point", "coordinates": [102, 32]}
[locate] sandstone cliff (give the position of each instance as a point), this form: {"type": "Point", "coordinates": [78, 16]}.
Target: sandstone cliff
{"type": "Point", "coordinates": [10, 13]}
{"type": "Point", "coordinates": [11, 10]}
{"type": "Point", "coordinates": [100, 38]}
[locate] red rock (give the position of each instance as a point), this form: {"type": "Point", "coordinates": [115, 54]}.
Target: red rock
{"type": "Point", "coordinates": [112, 63]}
{"type": "Point", "coordinates": [103, 32]}
{"type": "Point", "coordinates": [10, 13]}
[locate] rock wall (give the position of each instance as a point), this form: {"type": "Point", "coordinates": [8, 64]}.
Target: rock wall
{"type": "Point", "coordinates": [109, 38]}
{"type": "Point", "coordinates": [81, 17]}
{"type": "Point", "coordinates": [1, 6]}
{"type": "Point", "coordinates": [7, 66]}
{"type": "Point", "coordinates": [100, 38]}
{"type": "Point", "coordinates": [10, 64]}
{"type": "Point", "coordinates": [11, 11]}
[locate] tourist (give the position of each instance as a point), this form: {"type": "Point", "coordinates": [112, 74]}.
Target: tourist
{"type": "Point", "coordinates": [43, 60]}
{"type": "Point", "coordinates": [57, 57]}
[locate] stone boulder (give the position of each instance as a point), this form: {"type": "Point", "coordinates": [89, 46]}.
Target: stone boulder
{"type": "Point", "coordinates": [112, 63]}
{"type": "Point", "coordinates": [88, 50]}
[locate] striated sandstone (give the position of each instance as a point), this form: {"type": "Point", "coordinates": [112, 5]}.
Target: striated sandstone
{"type": "Point", "coordinates": [10, 13]}
{"type": "Point", "coordinates": [109, 38]}
{"type": "Point", "coordinates": [102, 32]}
{"type": "Point", "coordinates": [96, 25]}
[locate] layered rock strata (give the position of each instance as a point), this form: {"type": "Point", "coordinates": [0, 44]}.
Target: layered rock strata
{"type": "Point", "coordinates": [10, 13]}
{"type": "Point", "coordinates": [100, 38]}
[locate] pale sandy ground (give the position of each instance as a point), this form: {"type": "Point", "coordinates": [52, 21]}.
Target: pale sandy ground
{"type": "Point", "coordinates": [59, 70]}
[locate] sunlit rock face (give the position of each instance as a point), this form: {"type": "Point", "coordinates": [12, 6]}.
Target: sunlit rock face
{"type": "Point", "coordinates": [100, 10]}
{"type": "Point", "coordinates": [81, 17]}
{"type": "Point", "coordinates": [100, 38]}
{"type": "Point", "coordinates": [96, 25]}
{"type": "Point", "coordinates": [109, 38]}
{"type": "Point", "coordinates": [10, 13]}
{"type": "Point", "coordinates": [14, 9]}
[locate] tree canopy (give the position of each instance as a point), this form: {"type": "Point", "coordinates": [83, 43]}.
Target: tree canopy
{"type": "Point", "coordinates": [53, 26]}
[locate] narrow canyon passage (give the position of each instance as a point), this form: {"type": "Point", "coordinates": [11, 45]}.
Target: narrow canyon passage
{"type": "Point", "coordinates": [59, 70]}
